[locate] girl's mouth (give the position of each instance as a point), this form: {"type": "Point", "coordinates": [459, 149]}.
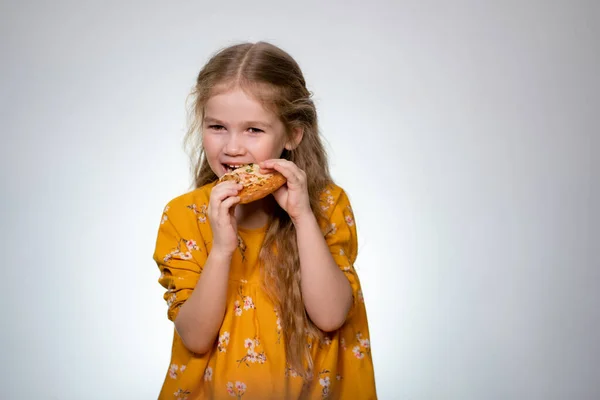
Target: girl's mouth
{"type": "Point", "coordinates": [231, 167]}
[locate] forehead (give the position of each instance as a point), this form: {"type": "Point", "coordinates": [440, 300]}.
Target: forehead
{"type": "Point", "coordinates": [237, 104]}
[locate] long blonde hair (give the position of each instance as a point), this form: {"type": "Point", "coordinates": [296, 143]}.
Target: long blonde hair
{"type": "Point", "coordinates": [272, 76]}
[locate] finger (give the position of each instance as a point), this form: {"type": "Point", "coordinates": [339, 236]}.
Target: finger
{"type": "Point", "coordinates": [224, 190]}
{"type": "Point", "coordinates": [220, 193]}
{"type": "Point", "coordinates": [270, 164]}
{"type": "Point", "coordinates": [221, 211]}
{"type": "Point", "coordinates": [229, 204]}
{"type": "Point", "coordinates": [226, 185]}
{"type": "Point", "coordinates": [287, 168]}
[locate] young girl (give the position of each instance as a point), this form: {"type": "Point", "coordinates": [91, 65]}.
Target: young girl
{"type": "Point", "coordinates": [264, 297]}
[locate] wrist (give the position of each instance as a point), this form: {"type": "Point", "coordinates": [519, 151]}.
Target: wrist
{"type": "Point", "coordinates": [221, 256]}
{"type": "Point", "coordinates": [304, 220]}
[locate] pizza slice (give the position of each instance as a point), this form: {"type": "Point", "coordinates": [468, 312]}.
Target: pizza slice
{"type": "Point", "coordinates": [256, 185]}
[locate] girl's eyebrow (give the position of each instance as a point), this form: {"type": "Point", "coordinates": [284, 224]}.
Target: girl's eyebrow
{"type": "Point", "coordinates": [260, 123]}
{"type": "Point", "coordinates": [211, 120]}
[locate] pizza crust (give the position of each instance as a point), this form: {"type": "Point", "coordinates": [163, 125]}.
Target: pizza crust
{"type": "Point", "coordinates": [256, 185]}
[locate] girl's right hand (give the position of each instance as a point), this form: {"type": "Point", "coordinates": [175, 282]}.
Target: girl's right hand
{"type": "Point", "coordinates": [221, 214]}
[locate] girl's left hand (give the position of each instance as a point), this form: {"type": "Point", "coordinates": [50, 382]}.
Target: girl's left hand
{"type": "Point", "coordinates": [292, 196]}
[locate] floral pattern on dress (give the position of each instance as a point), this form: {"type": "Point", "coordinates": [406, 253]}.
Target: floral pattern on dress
{"type": "Point", "coordinates": [172, 297]}
{"type": "Point", "coordinates": [349, 216]}
{"type": "Point", "coordinates": [182, 394]}
{"type": "Point", "coordinates": [208, 373]}
{"type": "Point", "coordinates": [165, 218]}
{"type": "Point", "coordinates": [363, 347]}
{"type": "Point", "coordinates": [242, 248]}
{"type": "Point", "coordinates": [361, 298]}
{"type": "Point", "coordinates": [252, 356]}
{"type": "Point", "coordinates": [327, 200]}
{"type": "Point", "coordinates": [246, 301]}
{"type": "Point", "coordinates": [278, 323]}
{"type": "Point", "coordinates": [325, 382]}
{"type": "Point", "coordinates": [179, 253]}
{"type": "Point", "coordinates": [331, 229]}
{"type": "Point", "coordinates": [290, 372]}
{"type": "Point", "coordinates": [200, 213]}
{"type": "Point", "coordinates": [223, 342]}
{"type": "Point", "coordinates": [236, 390]}
{"type": "Point", "coordinates": [173, 370]}
{"type": "Point", "coordinates": [325, 341]}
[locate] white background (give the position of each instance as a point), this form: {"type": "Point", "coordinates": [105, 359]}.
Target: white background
{"type": "Point", "coordinates": [465, 132]}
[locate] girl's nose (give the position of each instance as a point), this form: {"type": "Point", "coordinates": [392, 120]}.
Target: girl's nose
{"type": "Point", "coordinates": [234, 146]}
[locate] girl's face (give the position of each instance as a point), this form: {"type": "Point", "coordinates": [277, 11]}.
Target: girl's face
{"type": "Point", "coordinates": [238, 130]}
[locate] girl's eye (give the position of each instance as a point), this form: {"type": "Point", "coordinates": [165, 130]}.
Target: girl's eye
{"type": "Point", "coordinates": [255, 130]}
{"type": "Point", "coordinates": [216, 127]}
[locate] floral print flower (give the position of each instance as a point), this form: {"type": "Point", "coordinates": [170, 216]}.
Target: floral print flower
{"type": "Point", "coordinates": [363, 346]}
{"type": "Point", "coordinates": [199, 212]}
{"type": "Point", "coordinates": [191, 245]}
{"type": "Point", "coordinates": [182, 394]}
{"type": "Point", "coordinates": [237, 308]}
{"type": "Point", "coordinates": [363, 342]}
{"type": "Point", "coordinates": [208, 372]}
{"type": "Point", "coordinates": [252, 357]}
{"type": "Point", "coordinates": [349, 220]}
{"type": "Point", "coordinates": [240, 387]}
{"type": "Point", "coordinates": [278, 323]}
{"type": "Point", "coordinates": [173, 371]}
{"type": "Point", "coordinates": [247, 300]}
{"type": "Point", "coordinates": [332, 229]}
{"type": "Point", "coordinates": [230, 389]}
{"type": "Point", "coordinates": [171, 299]}
{"type": "Point", "coordinates": [242, 247]}
{"type": "Point", "coordinates": [179, 253]}
{"type": "Point", "coordinates": [248, 303]}
{"type": "Point", "coordinates": [289, 371]}
{"type": "Point", "coordinates": [223, 342]}
{"type": "Point", "coordinates": [327, 200]}
{"type": "Point", "coordinates": [357, 353]}
{"type": "Point", "coordinates": [325, 382]}
{"type": "Point", "coordinates": [238, 392]}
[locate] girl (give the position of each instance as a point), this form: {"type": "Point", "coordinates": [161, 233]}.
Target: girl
{"type": "Point", "coordinates": [264, 297]}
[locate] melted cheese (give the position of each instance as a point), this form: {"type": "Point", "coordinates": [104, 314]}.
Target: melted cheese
{"type": "Point", "coordinates": [250, 175]}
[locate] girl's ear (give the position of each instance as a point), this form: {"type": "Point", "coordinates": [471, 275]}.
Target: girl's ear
{"type": "Point", "coordinates": [297, 134]}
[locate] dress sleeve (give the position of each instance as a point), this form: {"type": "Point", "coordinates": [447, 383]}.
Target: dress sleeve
{"type": "Point", "coordinates": [180, 254]}
{"type": "Point", "coordinates": [341, 237]}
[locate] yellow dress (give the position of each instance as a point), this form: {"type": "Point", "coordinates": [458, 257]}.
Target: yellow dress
{"type": "Point", "coordinates": [248, 359]}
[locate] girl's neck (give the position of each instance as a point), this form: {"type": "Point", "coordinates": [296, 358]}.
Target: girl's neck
{"type": "Point", "coordinates": [256, 214]}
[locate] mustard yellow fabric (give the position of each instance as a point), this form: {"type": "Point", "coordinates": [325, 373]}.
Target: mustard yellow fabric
{"type": "Point", "coordinates": [247, 360]}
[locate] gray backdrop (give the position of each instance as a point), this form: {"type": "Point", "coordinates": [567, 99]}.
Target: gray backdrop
{"type": "Point", "coordinates": [465, 132]}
